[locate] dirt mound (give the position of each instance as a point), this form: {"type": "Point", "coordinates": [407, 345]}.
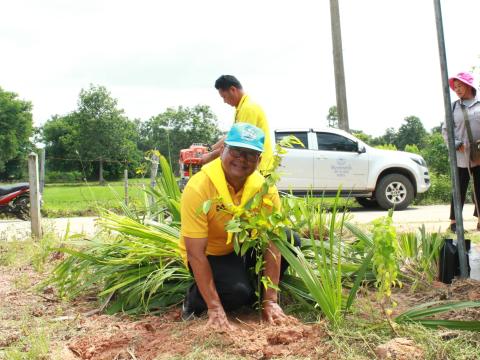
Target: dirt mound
{"type": "Point", "coordinates": [399, 349]}
{"type": "Point", "coordinates": [161, 337]}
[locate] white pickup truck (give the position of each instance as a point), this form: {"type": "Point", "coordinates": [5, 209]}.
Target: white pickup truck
{"type": "Point", "coordinates": [333, 159]}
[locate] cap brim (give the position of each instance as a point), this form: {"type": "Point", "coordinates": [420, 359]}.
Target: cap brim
{"type": "Point", "coordinates": [243, 145]}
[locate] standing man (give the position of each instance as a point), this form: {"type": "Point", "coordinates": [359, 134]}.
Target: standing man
{"type": "Point", "coordinates": [246, 111]}
{"type": "Point", "coordinates": [222, 281]}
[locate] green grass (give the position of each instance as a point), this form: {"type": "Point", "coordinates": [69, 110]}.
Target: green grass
{"type": "Point", "coordinates": [90, 198]}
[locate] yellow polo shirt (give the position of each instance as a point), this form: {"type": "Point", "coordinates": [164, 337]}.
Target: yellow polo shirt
{"type": "Point", "coordinates": [197, 225]}
{"type": "Point", "coordinates": [252, 113]}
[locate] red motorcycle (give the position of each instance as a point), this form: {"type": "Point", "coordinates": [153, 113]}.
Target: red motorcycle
{"type": "Point", "coordinates": [15, 200]}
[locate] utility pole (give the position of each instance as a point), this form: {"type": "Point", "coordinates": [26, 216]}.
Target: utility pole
{"type": "Point", "coordinates": [462, 254]}
{"type": "Point", "coordinates": [340, 89]}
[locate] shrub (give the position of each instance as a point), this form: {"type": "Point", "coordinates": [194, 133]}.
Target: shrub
{"type": "Point", "coordinates": [412, 149]}
{"type": "Point", "coordinates": [386, 147]}
{"type": "Point", "coordinates": [63, 176]}
{"type": "Point", "coordinates": [440, 191]}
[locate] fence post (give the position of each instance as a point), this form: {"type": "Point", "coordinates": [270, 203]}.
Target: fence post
{"type": "Point", "coordinates": [153, 177]}
{"type": "Point", "coordinates": [153, 173]}
{"type": "Point", "coordinates": [125, 176]}
{"type": "Point", "coordinates": [33, 177]}
{"type": "Point", "coordinates": [42, 169]}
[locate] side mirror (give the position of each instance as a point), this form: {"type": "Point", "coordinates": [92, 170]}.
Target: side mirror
{"type": "Point", "coordinates": [361, 149]}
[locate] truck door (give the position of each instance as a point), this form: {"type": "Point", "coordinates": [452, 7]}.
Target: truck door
{"type": "Point", "coordinates": [297, 165]}
{"type": "Point", "coordinates": [337, 162]}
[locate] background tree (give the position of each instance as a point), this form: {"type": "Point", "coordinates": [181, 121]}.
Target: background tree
{"type": "Point", "coordinates": [97, 134]}
{"type": "Point", "coordinates": [177, 129]}
{"type": "Point", "coordinates": [103, 132]}
{"type": "Point", "coordinates": [332, 117]}
{"type": "Point", "coordinates": [60, 135]}
{"type": "Point", "coordinates": [362, 136]}
{"type": "Point", "coordinates": [388, 138]}
{"type": "Point", "coordinates": [435, 154]}
{"type": "Point", "coordinates": [412, 132]}
{"type": "Point", "coordinates": [15, 130]}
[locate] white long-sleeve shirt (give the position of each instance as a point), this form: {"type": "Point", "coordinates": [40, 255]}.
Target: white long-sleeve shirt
{"type": "Point", "coordinates": [459, 129]}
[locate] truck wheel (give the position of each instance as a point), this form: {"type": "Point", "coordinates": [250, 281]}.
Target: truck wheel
{"type": "Point", "coordinates": [367, 203]}
{"type": "Point", "coordinates": [395, 191]}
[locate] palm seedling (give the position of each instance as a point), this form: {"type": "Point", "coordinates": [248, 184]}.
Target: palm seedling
{"type": "Point", "coordinates": [136, 268]}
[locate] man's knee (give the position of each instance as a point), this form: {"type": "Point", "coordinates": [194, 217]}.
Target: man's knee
{"type": "Point", "coordinates": [237, 295]}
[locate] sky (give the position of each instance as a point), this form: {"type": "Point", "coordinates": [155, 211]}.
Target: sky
{"type": "Point", "coordinates": [152, 55]}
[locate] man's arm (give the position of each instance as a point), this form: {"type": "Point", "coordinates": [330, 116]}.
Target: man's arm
{"type": "Point", "coordinates": [204, 279]}
{"type": "Point", "coordinates": [272, 312]}
{"type": "Point", "coordinates": [212, 155]}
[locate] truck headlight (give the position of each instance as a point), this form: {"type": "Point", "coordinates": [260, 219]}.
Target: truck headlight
{"type": "Point", "coordinates": [420, 161]}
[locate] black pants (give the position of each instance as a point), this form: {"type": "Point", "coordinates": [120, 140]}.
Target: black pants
{"type": "Point", "coordinates": [464, 180]}
{"type": "Point", "coordinates": [234, 284]}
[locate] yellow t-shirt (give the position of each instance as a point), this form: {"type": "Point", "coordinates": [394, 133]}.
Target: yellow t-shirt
{"type": "Point", "coordinates": [196, 224]}
{"type": "Point", "coordinates": [252, 113]}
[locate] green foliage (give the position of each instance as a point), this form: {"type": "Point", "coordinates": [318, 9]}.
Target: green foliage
{"type": "Point", "coordinates": [319, 266]}
{"type": "Point", "coordinates": [177, 129]}
{"type": "Point", "coordinates": [440, 190]}
{"type": "Point", "coordinates": [63, 176]}
{"type": "Point", "coordinates": [167, 193]}
{"type": "Point", "coordinates": [412, 132]}
{"type": "Point", "coordinates": [332, 117]}
{"type": "Point", "coordinates": [97, 133]}
{"type": "Point", "coordinates": [384, 259]}
{"type": "Point", "coordinates": [138, 270]}
{"type": "Point", "coordinates": [435, 154]}
{"type": "Point", "coordinates": [387, 147]}
{"type": "Point", "coordinates": [421, 314]}
{"type": "Point", "coordinates": [362, 136]}
{"type": "Point", "coordinates": [388, 138]}
{"type": "Point", "coordinates": [87, 199]}
{"type": "Point", "coordinates": [419, 252]}
{"type": "Point", "coordinates": [412, 148]}
{"type": "Point", "coordinates": [34, 344]}
{"type": "Point", "coordinates": [16, 128]}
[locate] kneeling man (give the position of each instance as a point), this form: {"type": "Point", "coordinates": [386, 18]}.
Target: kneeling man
{"type": "Point", "coordinates": [222, 281]}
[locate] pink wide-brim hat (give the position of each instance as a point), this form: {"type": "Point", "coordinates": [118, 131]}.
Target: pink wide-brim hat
{"type": "Point", "coordinates": [464, 77]}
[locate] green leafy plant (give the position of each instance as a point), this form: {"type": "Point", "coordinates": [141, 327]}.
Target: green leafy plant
{"type": "Point", "coordinates": [420, 314]}
{"type": "Point", "coordinates": [139, 269]}
{"type": "Point", "coordinates": [259, 222]}
{"type": "Point", "coordinates": [385, 259]}
{"type": "Point", "coordinates": [419, 252]}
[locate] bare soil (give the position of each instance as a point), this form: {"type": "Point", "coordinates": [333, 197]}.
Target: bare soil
{"type": "Point", "coordinates": [87, 334]}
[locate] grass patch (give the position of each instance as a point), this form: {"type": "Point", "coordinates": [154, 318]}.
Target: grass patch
{"type": "Point", "coordinates": [358, 339]}
{"type": "Point", "coordinates": [33, 344]}
{"type": "Point", "coordinates": [90, 198]}
{"type": "Point", "coordinates": [18, 254]}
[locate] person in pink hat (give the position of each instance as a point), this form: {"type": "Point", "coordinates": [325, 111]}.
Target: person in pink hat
{"type": "Point", "coordinates": [467, 105]}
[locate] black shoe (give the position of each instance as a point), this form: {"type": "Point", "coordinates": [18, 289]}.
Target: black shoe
{"type": "Point", "coordinates": [187, 314]}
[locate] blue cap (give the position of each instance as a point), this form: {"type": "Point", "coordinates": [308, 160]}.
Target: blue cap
{"type": "Point", "coordinates": [244, 135]}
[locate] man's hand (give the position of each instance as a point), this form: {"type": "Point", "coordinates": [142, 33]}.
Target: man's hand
{"type": "Point", "coordinates": [217, 320]}
{"type": "Point", "coordinates": [273, 313]}
{"type": "Point", "coordinates": [461, 148]}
